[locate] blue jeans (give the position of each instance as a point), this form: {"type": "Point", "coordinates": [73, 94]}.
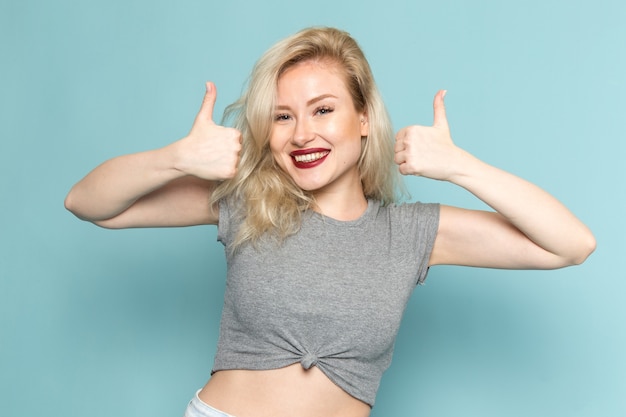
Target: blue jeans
{"type": "Point", "coordinates": [197, 408]}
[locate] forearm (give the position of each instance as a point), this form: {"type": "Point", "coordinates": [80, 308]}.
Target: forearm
{"type": "Point", "coordinates": [115, 185]}
{"type": "Point", "coordinates": [141, 190]}
{"type": "Point", "coordinates": [536, 213]}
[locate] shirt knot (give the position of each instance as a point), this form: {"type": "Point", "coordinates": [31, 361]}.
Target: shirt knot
{"type": "Point", "coordinates": [308, 360]}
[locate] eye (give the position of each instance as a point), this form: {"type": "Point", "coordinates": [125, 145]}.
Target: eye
{"type": "Point", "coordinates": [324, 110]}
{"type": "Point", "coordinates": [281, 117]}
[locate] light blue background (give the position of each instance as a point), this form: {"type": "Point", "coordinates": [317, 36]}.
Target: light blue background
{"type": "Point", "coordinates": [124, 323]}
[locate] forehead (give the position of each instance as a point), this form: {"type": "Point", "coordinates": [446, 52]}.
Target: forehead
{"type": "Point", "coordinates": [312, 74]}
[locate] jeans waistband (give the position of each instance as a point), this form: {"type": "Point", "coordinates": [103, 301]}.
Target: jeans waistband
{"type": "Point", "coordinates": [198, 408]}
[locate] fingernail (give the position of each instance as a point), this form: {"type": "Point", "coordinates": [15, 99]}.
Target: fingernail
{"type": "Point", "coordinates": [444, 93]}
{"type": "Point", "coordinates": [208, 87]}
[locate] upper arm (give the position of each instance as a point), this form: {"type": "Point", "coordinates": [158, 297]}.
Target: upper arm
{"type": "Point", "coordinates": [486, 239]}
{"type": "Point", "coordinates": [182, 202]}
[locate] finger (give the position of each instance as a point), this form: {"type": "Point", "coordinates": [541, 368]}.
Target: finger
{"type": "Point", "coordinates": [206, 110]}
{"type": "Point", "coordinates": [399, 144]}
{"type": "Point", "coordinates": [402, 169]}
{"type": "Point", "coordinates": [439, 109]}
{"type": "Point", "coordinates": [399, 157]}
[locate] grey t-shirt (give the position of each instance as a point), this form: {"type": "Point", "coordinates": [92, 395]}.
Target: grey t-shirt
{"type": "Point", "coordinates": [330, 296]}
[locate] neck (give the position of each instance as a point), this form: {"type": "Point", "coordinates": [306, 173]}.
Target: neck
{"type": "Point", "coordinates": [341, 206]}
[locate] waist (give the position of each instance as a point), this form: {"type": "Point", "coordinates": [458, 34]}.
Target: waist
{"type": "Point", "coordinates": [283, 392]}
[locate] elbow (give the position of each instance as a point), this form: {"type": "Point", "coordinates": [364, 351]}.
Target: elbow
{"type": "Point", "coordinates": [585, 248]}
{"type": "Point", "coordinates": [589, 249]}
{"type": "Point", "coordinates": [70, 204]}
{"type": "Point", "coordinates": [75, 208]}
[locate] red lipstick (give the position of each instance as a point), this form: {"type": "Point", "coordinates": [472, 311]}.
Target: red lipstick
{"type": "Point", "coordinates": [309, 158]}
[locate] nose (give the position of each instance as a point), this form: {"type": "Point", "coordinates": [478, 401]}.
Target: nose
{"type": "Point", "coordinates": [303, 133]}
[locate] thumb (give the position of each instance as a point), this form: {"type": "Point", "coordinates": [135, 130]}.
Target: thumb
{"type": "Point", "coordinates": [206, 109]}
{"type": "Point", "coordinates": [439, 110]}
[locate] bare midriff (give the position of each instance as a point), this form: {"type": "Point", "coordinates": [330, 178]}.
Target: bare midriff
{"type": "Point", "coordinates": [285, 392]}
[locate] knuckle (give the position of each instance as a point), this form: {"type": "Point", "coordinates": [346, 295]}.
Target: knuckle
{"type": "Point", "coordinates": [414, 130]}
{"type": "Point", "coordinates": [234, 133]}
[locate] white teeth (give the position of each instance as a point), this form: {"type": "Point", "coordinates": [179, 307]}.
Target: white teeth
{"type": "Point", "coordinates": [310, 157]}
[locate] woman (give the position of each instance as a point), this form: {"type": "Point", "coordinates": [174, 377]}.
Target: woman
{"type": "Point", "coordinates": [321, 261]}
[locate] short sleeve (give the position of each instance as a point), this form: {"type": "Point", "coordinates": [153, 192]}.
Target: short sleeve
{"type": "Point", "coordinates": [427, 233]}
{"type": "Point", "coordinates": [223, 223]}
{"type": "Point", "coordinates": [416, 225]}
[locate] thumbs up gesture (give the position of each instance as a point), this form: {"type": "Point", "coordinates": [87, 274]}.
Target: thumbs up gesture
{"type": "Point", "coordinates": [209, 151]}
{"type": "Point", "coordinates": [428, 151]}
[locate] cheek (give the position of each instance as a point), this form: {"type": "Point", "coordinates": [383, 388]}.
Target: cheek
{"type": "Point", "coordinates": [275, 143]}
{"type": "Point", "coordinates": [352, 137]}
{"type": "Point", "coordinates": [277, 152]}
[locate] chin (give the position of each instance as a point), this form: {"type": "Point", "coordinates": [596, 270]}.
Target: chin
{"type": "Point", "coordinates": [309, 186]}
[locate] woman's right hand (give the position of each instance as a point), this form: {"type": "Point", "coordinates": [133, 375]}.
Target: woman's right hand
{"type": "Point", "coordinates": [209, 151]}
{"type": "Point", "coordinates": [169, 186]}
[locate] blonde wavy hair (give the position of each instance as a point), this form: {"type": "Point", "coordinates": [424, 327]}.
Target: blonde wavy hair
{"type": "Point", "coordinates": [271, 203]}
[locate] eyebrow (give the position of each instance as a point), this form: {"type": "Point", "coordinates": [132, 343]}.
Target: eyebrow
{"type": "Point", "coordinates": [310, 102]}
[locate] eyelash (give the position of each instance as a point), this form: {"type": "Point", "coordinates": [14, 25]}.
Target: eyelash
{"type": "Point", "coordinates": [281, 117]}
{"type": "Point", "coordinates": [322, 110]}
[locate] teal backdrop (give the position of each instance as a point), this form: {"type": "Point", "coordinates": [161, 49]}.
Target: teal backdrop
{"type": "Point", "coordinates": [105, 323]}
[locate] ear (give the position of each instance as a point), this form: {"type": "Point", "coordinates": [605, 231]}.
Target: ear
{"type": "Point", "coordinates": [365, 127]}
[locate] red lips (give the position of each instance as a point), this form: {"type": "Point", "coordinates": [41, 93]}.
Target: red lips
{"type": "Point", "coordinates": [309, 158]}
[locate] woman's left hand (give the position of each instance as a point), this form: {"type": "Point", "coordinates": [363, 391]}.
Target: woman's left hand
{"type": "Point", "coordinates": [428, 151]}
{"type": "Point", "coordinates": [531, 229]}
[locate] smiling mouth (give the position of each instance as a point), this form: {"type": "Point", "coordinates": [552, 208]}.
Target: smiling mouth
{"type": "Point", "coordinates": [310, 158]}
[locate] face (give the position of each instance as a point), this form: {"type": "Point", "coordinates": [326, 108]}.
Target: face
{"type": "Point", "coordinates": [316, 133]}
